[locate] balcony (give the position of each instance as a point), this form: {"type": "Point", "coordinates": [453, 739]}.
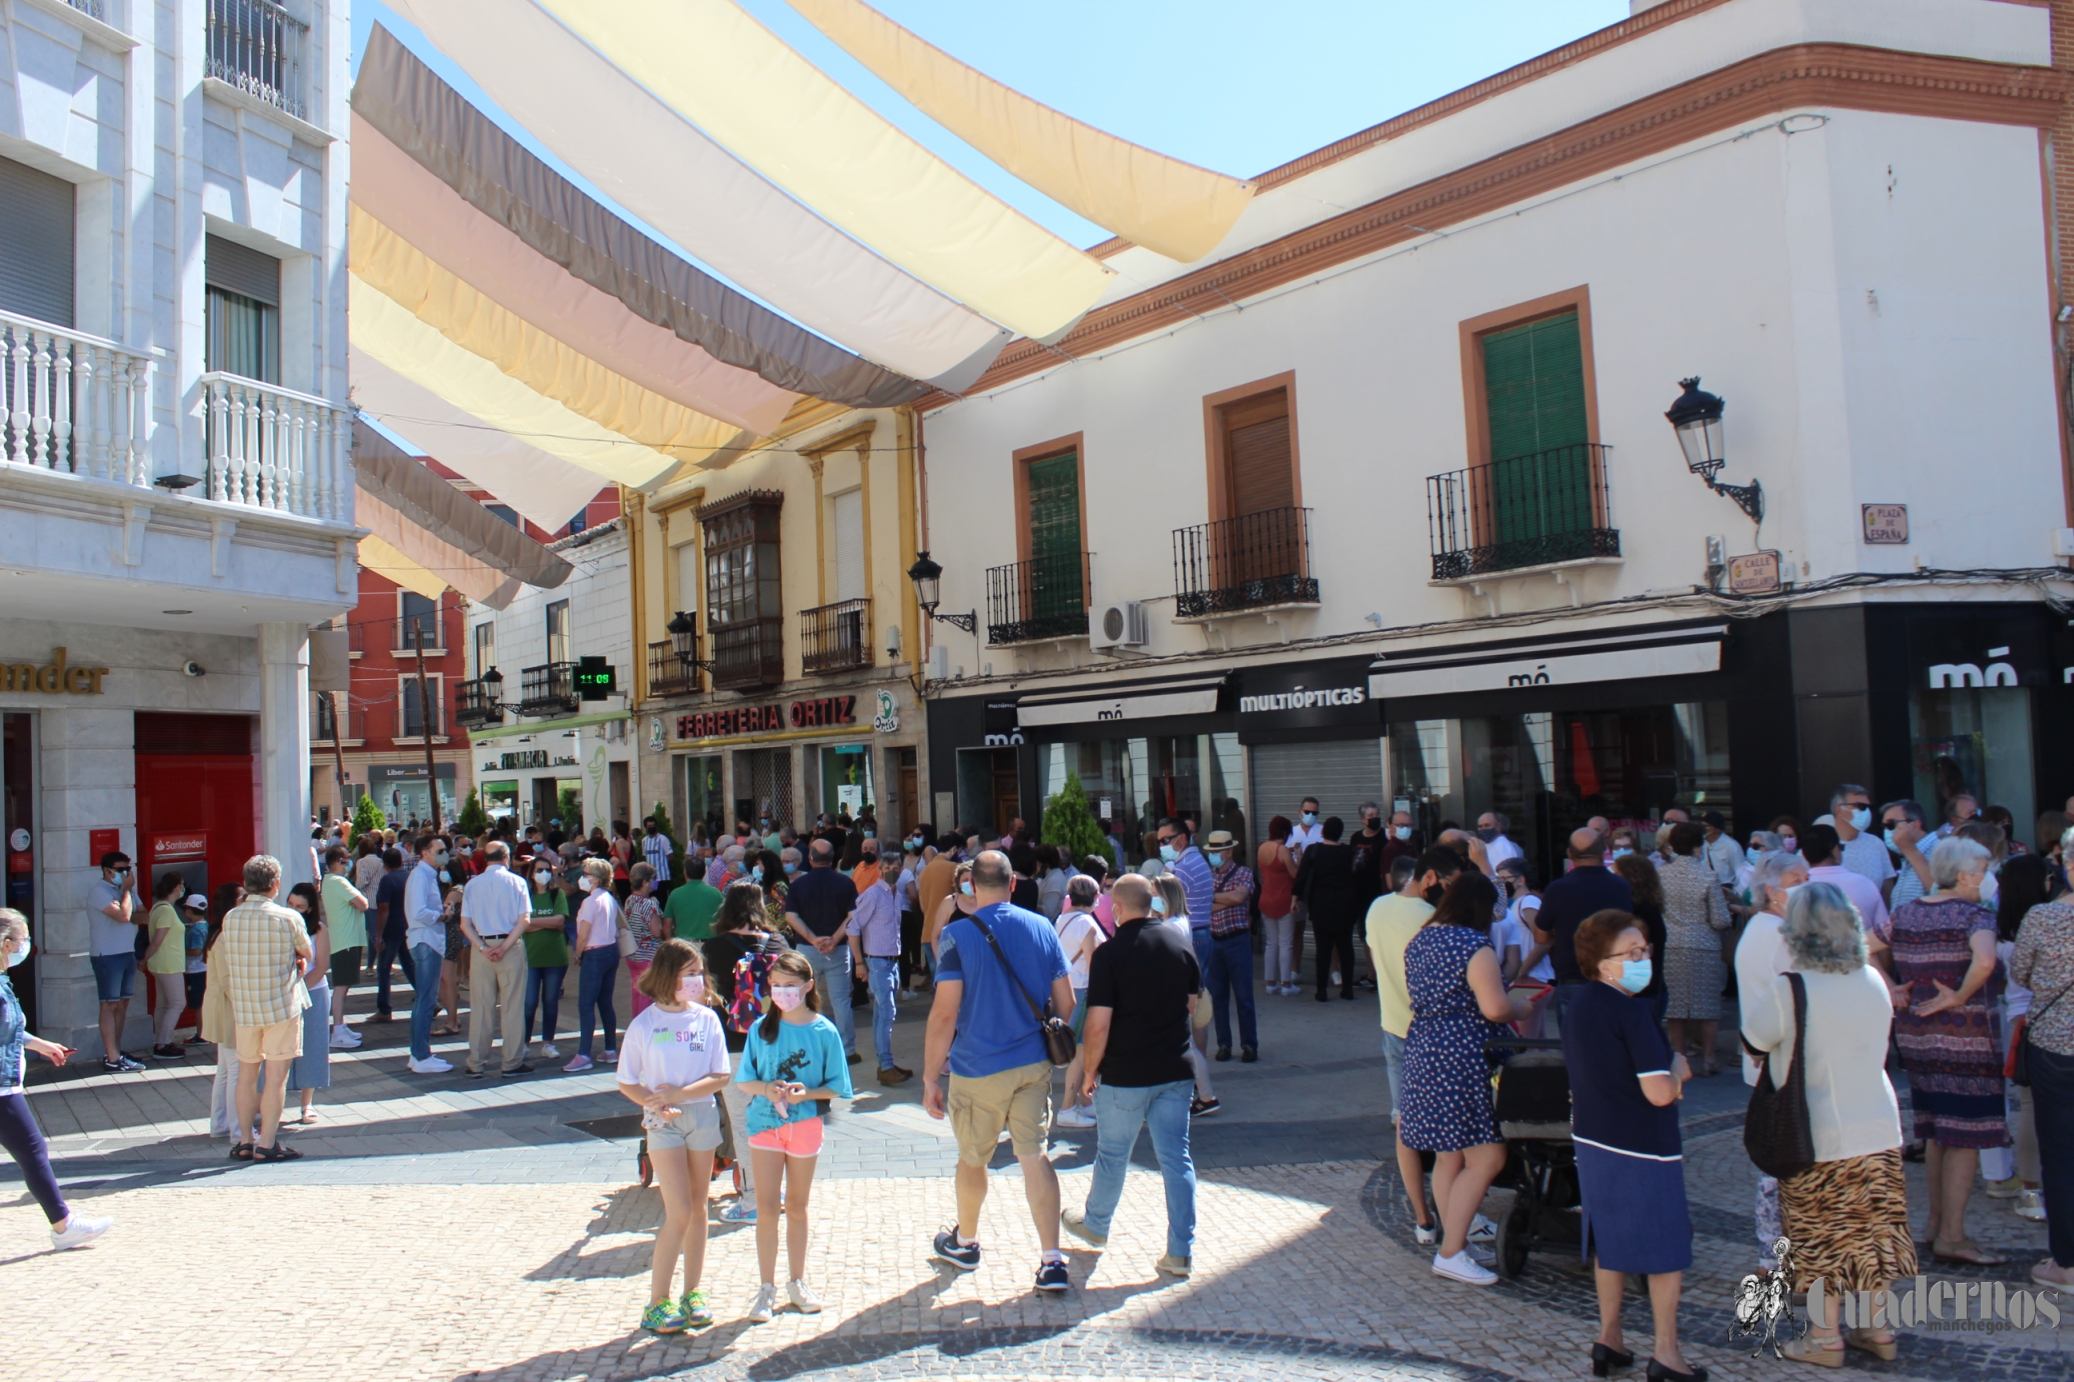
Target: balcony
{"type": "Point", "coordinates": [257, 46]}
{"type": "Point", "coordinates": [1549, 509]}
{"type": "Point", "coordinates": [323, 725]}
{"type": "Point", "coordinates": [476, 704]}
{"type": "Point", "coordinates": [274, 448]}
{"type": "Point", "coordinates": [835, 638]}
{"type": "Point", "coordinates": [549, 689]}
{"type": "Point", "coordinates": [1039, 599]}
{"type": "Point", "coordinates": [749, 654]}
{"type": "Point", "coordinates": [669, 675]}
{"type": "Point", "coordinates": [1257, 561]}
{"type": "Point", "coordinates": [74, 403]}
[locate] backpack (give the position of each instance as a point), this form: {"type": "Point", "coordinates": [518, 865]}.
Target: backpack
{"type": "Point", "coordinates": [752, 987]}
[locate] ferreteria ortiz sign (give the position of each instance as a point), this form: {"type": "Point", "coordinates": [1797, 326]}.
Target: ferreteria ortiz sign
{"type": "Point", "coordinates": [1331, 694]}
{"type": "Point", "coordinates": [821, 712]}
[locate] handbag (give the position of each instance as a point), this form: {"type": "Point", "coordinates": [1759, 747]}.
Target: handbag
{"type": "Point", "coordinates": [627, 944]}
{"type": "Point", "coordinates": [2018, 1068]}
{"type": "Point", "coordinates": [1059, 1044]}
{"type": "Point", "coordinates": [1776, 1132]}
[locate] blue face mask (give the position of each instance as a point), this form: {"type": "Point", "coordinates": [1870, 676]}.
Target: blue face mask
{"type": "Point", "coordinates": [1169, 853]}
{"type": "Point", "coordinates": [1216, 860]}
{"type": "Point", "coordinates": [1159, 905]}
{"type": "Point", "coordinates": [756, 874]}
{"type": "Point", "coordinates": [1622, 853]}
{"type": "Point", "coordinates": [16, 956]}
{"type": "Point", "coordinates": [1861, 817]}
{"type": "Point", "coordinates": [1634, 975]}
{"type": "Point", "coordinates": [791, 868]}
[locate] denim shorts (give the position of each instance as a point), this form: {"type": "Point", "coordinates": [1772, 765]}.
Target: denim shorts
{"type": "Point", "coordinates": [696, 1129]}
{"type": "Point", "coordinates": [115, 976]}
{"type": "Point", "coordinates": [1393, 1066]}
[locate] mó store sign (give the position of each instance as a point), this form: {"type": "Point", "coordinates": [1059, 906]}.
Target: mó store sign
{"type": "Point", "coordinates": [824, 711]}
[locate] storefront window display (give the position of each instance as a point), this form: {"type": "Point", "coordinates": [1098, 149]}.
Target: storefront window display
{"type": "Point", "coordinates": [846, 780]}
{"type": "Point", "coordinates": [698, 792]}
{"type": "Point", "coordinates": [1973, 740]}
{"type": "Point", "coordinates": [1197, 776]}
{"type": "Point", "coordinates": [500, 799]}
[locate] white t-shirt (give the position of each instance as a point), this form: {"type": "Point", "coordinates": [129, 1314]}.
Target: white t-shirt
{"type": "Point", "coordinates": [1501, 849]}
{"type": "Point", "coordinates": [1302, 837]}
{"type": "Point", "coordinates": [1513, 930]}
{"type": "Point", "coordinates": [661, 1047]}
{"type": "Point", "coordinates": [1073, 929]}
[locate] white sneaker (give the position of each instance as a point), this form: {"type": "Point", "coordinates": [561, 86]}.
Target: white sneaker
{"type": "Point", "coordinates": [548, 1051]}
{"type": "Point", "coordinates": [1428, 1235]}
{"type": "Point", "coordinates": [765, 1303]}
{"type": "Point", "coordinates": [1482, 1230]}
{"type": "Point", "coordinates": [2031, 1205]}
{"type": "Point", "coordinates": [1075, 1117]}
{"type": "Point", "coordinates": [431, 1065]}
{"type": "Point", "coordinates": [344, 1039]}
{"type": "Point", "coordinates": [79, 1232]}
{"type": "Point", "coordinates": [1463, 1268]}
{"type": "Point", "coordinates": [803, 1298]}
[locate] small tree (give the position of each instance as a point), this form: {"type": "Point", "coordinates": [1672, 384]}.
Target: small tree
{"type": "Point", "coordinates": [569, 806]}
{"type": "Point", "coordinates": [472, 820]}
{"type": "Point", "coordinates": [366, 816]}
{"type": "Point", "coordinates": [1070, 822]}
{"type": "Point", "coordinates": [668, 832]}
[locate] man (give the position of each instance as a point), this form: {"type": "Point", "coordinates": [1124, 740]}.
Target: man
{"type": "Point", "coordinates": [393, 927]}
{"type": "Point", "coordinates": [691, 907]}
{"type": "Point", "coordinates": [1957, 812]}
{"type": "Point", "coordinates": [994, 1047]}
{"type": "Point", "coordinates": [1332, 897]}
{"type": "Point", "coordinates": [1399, 845]}
{"type": "Point", "coordinates": [1178, 852]}
{"type": "Point", "coordinates": [1864, 853]}
{"type": "Point", "coordinates": [1490, 828]}
{"type": "Point", "coordinates": [1588, 887]}
{"type": "Point", "coordinates": [422, 908]}
{"type": "Point", "coordinates": [817, 908]}
{"type": "Point", "coordinates": [345, 917]}
{"type": "Point", "coordinates": [1224, 948]}
{"type": "Point", "coordinates": [495, 907]}
{"type": "Point", "coordinates": [725, 868]}
{"type": "Point", "coordinates": [264, 950]}
{"type": "Point", "coordinates": [1902, 827]}
{"type": "Point", "coordinates": [1721, 855]}
{"type": "Point", "coordinates": [1368, 845]}
{"type": "Point", "coordinates": [1308, 830]}
{"type": "Point", "coordinates": [655, 848]}
{"type": "Point", "coordinates": [876, 928]}
{"type": "Point", "coordinates": [1819, 846]}
{"type": "Point", "coordinates": [112, 940]}
{"type": "Point", "coordinates": [1141, 996]}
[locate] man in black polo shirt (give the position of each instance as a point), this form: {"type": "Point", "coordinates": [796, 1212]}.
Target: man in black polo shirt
{"type": "Point", "coordinates": [1141, 995]}
{"type": "Point", "coordinates": [1588, 887]}
{"type": "Point", "coordinates": [818, 907]}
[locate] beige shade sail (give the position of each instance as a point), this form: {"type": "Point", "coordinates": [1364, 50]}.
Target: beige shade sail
{"type": "Point", "coordinates": [384, 560]}
{"type": "Point", "coordinates": [1168, 206]}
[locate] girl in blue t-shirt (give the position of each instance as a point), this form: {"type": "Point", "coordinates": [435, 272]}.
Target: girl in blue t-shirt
{"type": "Point", "coordinates": [792, 1061]}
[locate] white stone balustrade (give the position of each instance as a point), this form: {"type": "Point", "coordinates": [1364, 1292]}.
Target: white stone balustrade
{"type": "Point", "coordinates": [275, 448]}
{"type": "Point", "coordinates": [74, 402]}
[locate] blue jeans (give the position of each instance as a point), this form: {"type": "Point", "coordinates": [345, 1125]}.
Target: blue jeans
{"type": "Point", "coordinates": [2052, 1108]}
{"type": "Point", "coordinates": [1163, 1109]}
{"type": "Point", "coordinates": [832, 978]}
{"type": "Point", "coordinates": [1228, 974]}
{"type": "Point", "coordinates": [883, 973]}
{"type": "Point", "coordinates": [387, 956]}
{"type": "Point", "coordinates": [594, 983]}
{"type": "Point", "coordinates": [544, 995]}
{"type": "Point", "coordinates": [424, 1003]}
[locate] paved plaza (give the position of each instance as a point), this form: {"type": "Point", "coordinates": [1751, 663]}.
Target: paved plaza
{"type": "Point", "coordinates": [442, 1228]}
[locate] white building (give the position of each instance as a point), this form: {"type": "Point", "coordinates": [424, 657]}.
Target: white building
{"type": "Point", "coordinates": [1380, 501]}
{"type": "Point", "coordinates": [176, 494]}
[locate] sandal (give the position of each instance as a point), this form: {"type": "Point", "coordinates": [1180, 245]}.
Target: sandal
{"type": "Point", "coordinates": [276, 1153]}
{"type": "Point", "coordinates": [1808, 1349]}
{"type": "Point", "coordinates": [241, 1152]}
{"type": "Point", "coordinates": [1883, 1349]}
{"type": "Point", "coordinates": [1966, 1253]}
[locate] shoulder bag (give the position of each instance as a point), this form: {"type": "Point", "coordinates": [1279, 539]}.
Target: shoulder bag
{"type": "Point", "coordinates": [1059, 1044]}
{"type": "Point", "coordinates": [2018, 1069]}
{"type": "Point", "coordinates": [1776, 1132]}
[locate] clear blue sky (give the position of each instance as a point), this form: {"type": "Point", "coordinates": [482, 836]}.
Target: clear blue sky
{"type": "Point", "coordinates": [1235, 85]}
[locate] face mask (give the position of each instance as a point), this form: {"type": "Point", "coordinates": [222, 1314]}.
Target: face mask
{"type": "Point", "coordinates": [1169, 853]}
{"type": "Point", "coordinates": [788, 997]}
{"type": "Point", "coordinates": [1402, 832]}
{"type": "Point", "coordinates": [1622, 853]}
{"type": "Point", "coordinates": [445, 877]}
{"type": "Point", "coordinates": [1434, 894]}
{"type": "Point", "coordinates": [540, 880]}
{"type": "Point", "coordinates": [1487, 833]}
{"type": "Point", "coordinates": [587, 884]}
{"type": "Point", "coordinates": [756, 874]}
{"type": "Point", "coordinates": [691, 989]}
{"type": "Point", "coordinates": [19, 953]}
{"type": "Point", "coordinates": [871, 834]}
{"type": "Point", "coordinates": [1634, 975]}
{"type": "Point", "coordinates": [1310, 818]}
{"type": "Point", "coordinates": [1159, 905]}
{"type": "Point", "coordinates": [791, 867]}
{"type": "Point", "coordinates": [1216, 860]}
{"type": "Point", "coordinates": [1990, 890]}
{"type": "Point", "coordinates": [1890, 840]}
{"type": "Point", "coordinates": [1789, 845]}
{"type": "Point", "coordinates": [439, 858]}
{"type": "Point", "coordinates": [1861, 817]}
{"type": "Point", "coordinates": [1372, 824]}
{"type": "Point", "coordinates": [966, 887]}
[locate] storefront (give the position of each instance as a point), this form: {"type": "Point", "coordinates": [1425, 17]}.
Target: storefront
{"type": "Point", "coordinates": [528, 770]}
{"type": "Point", "coordinates": [404, 794]}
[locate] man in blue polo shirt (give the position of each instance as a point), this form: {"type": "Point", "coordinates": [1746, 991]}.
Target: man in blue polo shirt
{"type": "Point", "coordinates": [1178, 852]}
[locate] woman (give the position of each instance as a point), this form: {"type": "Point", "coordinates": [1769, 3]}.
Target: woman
{"type": "Point", "coordinates": [1622, 842]}
{"type": "Point", "coordinates": [1943, 953]}
{"type": "Point", "coordinates": [1694, 915]}
{"type": "Point", "coordinates": [597, 945]}
{"type": "Point", "coordinates": [648, 924]}
{"type": "Point", "coordinates": [956, 903]}
{"type": "Point", "coordinates": [740, 931]}
{"type": "Point", "coordinates": [454, 972]}
{"type": "Point", "coordinates": [2043, 962]}
{"type": "Point", "coordinates": [311, 1071]}
{"type": "Point", "coordinates": [621, 852]}
{"type": "Point", "coordinates": [1624, 1086]}
{"type": "Point", "coordinates": [1275, 866]}
{"type": "Point", "coordinates": [18, 1130]}
{"type": "Point", "coordinates": [1078, 934]}
{"type": "Point", "coordinates": [2024, 882]}
{"type": "Point", "coordinates": [768, 872]}
{"type": "Point", "coordinates": [1022, 890]}
{"type": "Point", "coordinates": [1170, 903]}
{"type": "Point", "coordinates": [1847, 1215]}
{"type": "Point", "coordinates": [1788, 831]}
{"type": "Point", "coordinates": [165, 960]}
{"type": "Point", "coordinates": [547, 954]}
{"type": "Point", "coordinates": [1647, 889]}
{"type": "Point", "coordinates": [1052, 879]}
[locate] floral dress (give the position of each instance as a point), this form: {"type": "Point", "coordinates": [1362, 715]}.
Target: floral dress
{"type": "Point", "coordinates": [1446, 1104]}
{"type": "Point", "coordinates": [1953, 1058]}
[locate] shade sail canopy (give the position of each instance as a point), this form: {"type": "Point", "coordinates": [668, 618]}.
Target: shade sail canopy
{"type": "Point", "coordinates": [737, 81]}
{"type": "Point", "coordinates": [664, 169]}
{"type": "Point", "coordinates": [1168, 206]}
{"type": "Point", "coordinates": [378, 556]}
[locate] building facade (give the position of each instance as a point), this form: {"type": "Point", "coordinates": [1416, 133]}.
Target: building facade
{"type": "Point", "coordinates": [1381, 502]}
{"type": "Point", "coordinates": [176, 489]}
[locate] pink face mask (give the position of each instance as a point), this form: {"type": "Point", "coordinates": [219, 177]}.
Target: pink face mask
{"type": "Point", "coordinates": [788, 997]}
{"type": "Point", "coordinates": [692, 988]}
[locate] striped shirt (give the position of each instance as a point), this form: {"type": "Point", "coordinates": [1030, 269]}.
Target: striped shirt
{"type": "Point", "coordinates": [259, 944]}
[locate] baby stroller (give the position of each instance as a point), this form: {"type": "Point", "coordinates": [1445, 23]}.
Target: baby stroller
{"type": "Point", "coordinates": [1533, 1111]}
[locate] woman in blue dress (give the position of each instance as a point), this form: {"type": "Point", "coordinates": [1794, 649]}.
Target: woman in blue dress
{"type": "Point", "coordinates": [1458, 1000]}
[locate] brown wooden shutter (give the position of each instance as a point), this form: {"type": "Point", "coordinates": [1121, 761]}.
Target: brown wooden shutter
{"type": "Point", "coordinates": [1256, 448]}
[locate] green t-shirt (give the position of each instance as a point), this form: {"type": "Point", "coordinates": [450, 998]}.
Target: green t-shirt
{"type": "Point", "coordinates": [691, 909]}
{"type": "Point", "coordinates": [172, 956]}
{"type": "Point", "coordinates": [548, 949]}
{"type": "Point", "coordinates": [347, 923]}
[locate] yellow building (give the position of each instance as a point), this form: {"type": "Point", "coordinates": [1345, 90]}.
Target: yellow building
{"type": "Point", "coordinates": [771, 592]}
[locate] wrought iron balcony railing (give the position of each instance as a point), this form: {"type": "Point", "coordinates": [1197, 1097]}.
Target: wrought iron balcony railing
{"type": "Point", "coordinates": [1536, 510]}
{"type": "Point", "coordinates": [256, 46]}
{"type": "Point", "coordinates": [1044, 597]}
{"type": "Point", "coordinates": [668, 674]}
{"type": "Point", "coordinates": [748, 654]}
{"type": "Point", "coordinates": [1254, 561]}
{"type": "Point", "coordinates": [432, 622]}
{"type": "Point", "coordinates": [549, 689]}
{"type": "Point", "coordinates": [835, 638]}
{"type": "Point", "coordinates": [324, 724]}
{"type": "Point", "coordinates": [477, 703]}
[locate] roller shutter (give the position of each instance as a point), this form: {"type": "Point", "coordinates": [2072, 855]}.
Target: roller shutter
{"type": "Point", "coordinates": [36, 229]}
{"type": "Point", "coordinates": [1341, 774]}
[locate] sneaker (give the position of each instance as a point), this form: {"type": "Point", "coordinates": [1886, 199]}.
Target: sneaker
{"type": "Point", "coordinates": [79, 1232]}
{"type": "Point", "coordinates": [1463, 1268]}
{"type": "Point", "coordinates": [170, 1051]}
{"type": "Point", "coordinates": [577, 1066]}
{"type": "Point", "coordinates": [1051, 1276]}
{"type": "Point", "coordinates": [2031, 1205]}
{"type": "Point", "coordinates": [1173, 1265]}
{"type": "Point", "coordinates": [766, 1302]}
{"type": "Point", "coordinates": [1077, 1116]}
{"type": "Point", "coordinates": [1482, 1230]}
{"type": "Point", "coordinates": [1203, 1108]}
{"type": "Point", "coordinates": [548, 1051]}
{"type": "Point", "coordinates": [1075, 1222]}
{"type": "Point", "coordinates": [692, 1307]}
{"type": "Point", "coordinates": [2005, 1189]}
{"type": "Point", "coordinates": [2051, 1273]}
{"type": "Point", "coordinates": [1482, 1256]}
{"type": "Point", "coordinates": [738, 1214]}
{"type": "Point", "coordinates": [662, 1318]}
{"type": "Point", "coordinates": [121, 1065]}
{"type": "Point", "coordinates": [1248, 1054]}
{"type": "Point", "coordinates": [1428, 1235]}
{"type": "Point", "coordinates": [431, 1065]}
{"type": "Point", "coordinates": [344, 1039]}
{"type": "Point", "coordinates": [965, 1256]}
{"type": "Point", "coordinates": [803, 1298]}
{"type": "Point", "coordinates": [611, 1056]}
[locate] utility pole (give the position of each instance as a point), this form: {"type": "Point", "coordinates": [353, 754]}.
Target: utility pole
{"type": "Point", "coordinates": [417, 638]}
{"type": "Point", "coordinates": [338, 750]}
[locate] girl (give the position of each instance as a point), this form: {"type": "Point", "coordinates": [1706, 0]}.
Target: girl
{"type": "Point", "coordinates": [739, 929]}
{"type": "Point", "coordinates": [792, 1059]}
{"type": "Point", "coordinates": [674, 1060]}
{"type": "Point", "coordinates": [311, 1071]}
{"type": "Point", "coordinates": [597, 943]}
{"type": "Point", "coordinates": [1170, 904]}
{"type": "Point", "coordinates": [455, 969]}
{"type": "Point", "coordinates": [1079, 933]}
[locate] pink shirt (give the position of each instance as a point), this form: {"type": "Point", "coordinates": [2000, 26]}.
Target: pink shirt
{"type": "Point", "coordinates": [1105, 914]}
{"type": "Point", "coordinates": [1862, 891]}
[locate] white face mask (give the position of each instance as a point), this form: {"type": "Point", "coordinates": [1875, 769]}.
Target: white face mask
{"type": "Point", "coordinates": [1990, 890]}
{"type": "Point", "coordinates": [787, 996]}
{"type": "Point", "coordinates": [691, 989]}
{"type": "Point", "coordinates": [19, 953]}
{"type": "Point", "coordinates": [540, 880]}
{"type": "Point", "coordinates": [587, 884]}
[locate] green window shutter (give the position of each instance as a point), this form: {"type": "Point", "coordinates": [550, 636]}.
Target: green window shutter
{"type": "Point", "coordinates": [1055, 539]}
{"type": "Point", "coordinates": [1539, 480]}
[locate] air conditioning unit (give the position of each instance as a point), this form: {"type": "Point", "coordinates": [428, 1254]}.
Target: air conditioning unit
{"type": "Point", "coordinates": [1117, 625]}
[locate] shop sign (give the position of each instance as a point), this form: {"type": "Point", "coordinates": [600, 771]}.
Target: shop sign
{"type": "Point", "coordinates": [595, 679]}
{"type": "Point", "coordinates": [53, 678]}
{"type": "Point", "coordinates": [887, 721]}
{"type": "Point", "coordinates": [1755, 574]}
{"type": "Point", "coordinates": [101, 843]}
{"type": "Point", "coordinates": [1963, 649]}
{"type": "Point", "coordinates": [657, 735]}
{"type": "Point", "coordinates": [1662, 652]}
{"type": "Point", "coordinates": [1886, 525]}
{"type": "Point", "coordinates": [821, 712]}
{"type": "Point", "coordinates": [1001, 723]}
{"type": "Point", "coordinates": [180, 844]}
{"type": "Point", "coordinates": [407, 772]}
{"type": "Point", "coordinates": [1315, 695]}
{"type": "Point", "coordinates": [522, 758]}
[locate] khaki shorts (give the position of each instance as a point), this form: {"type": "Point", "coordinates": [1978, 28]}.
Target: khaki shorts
{"type": "Point", "coordinates": [278, 1041]}
{"type": "Point", "coordinates": [1018, 1099]}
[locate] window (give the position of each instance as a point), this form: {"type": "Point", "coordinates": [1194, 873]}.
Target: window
{"type": "Point", "coordinates": [410, 710]}
{"type": "Point", "coordinates": [244, 311]}
{"type": "Point", "coordinates": [485, 648]}
{"type": "Point", "coordinates": [1252, 437]}
{"type": "Point", "coordinates": [416, 616]}
{"type": "Point", "coordinates": [744, 603]}
{"type": "Point", "coordinates": [36, 225]}
{"type": "Point", "coordinates": [505, 512]}
{"type": "Point", "coordinates": [848, 524]}
{"type": "Point", "coordinates": [688, 579]}
{"type": "Point", "coordinates": [1535, 471]}
{"type": "Point", "coordinates": [580, 520]}
{"type": "Point", "coordinates": [327, 720]}
{"type": "Point", "coordinates": [1051, 534]}
{"type": "Point", "coordinates": [558, 632]}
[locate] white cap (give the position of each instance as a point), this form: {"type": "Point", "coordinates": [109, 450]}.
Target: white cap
{"type": "Point", "coordinates": [197, 901]}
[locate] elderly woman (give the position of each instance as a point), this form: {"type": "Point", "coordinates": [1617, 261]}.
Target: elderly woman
{"type": "Point", "coordinates": [1762, 956]}
{"type": "Point", "coordinates": [1624, 1085]}
{"type": "Point", "coordinates": [2043, 962]}
{"type": "Point", "coordinates": [1847, 1215]}
{"type": "Point", "coordinates": [1695, 915]}
{"type": "Point", "coordinates": [1944, 955]}
{"type": "Point", "coordinates": [18, 1130]}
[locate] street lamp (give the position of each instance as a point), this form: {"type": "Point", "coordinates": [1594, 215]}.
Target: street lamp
{"type": "Point", "coordinates": [684, 640]}
{"type": "Point", "coordinates": [1696, 418]}
{"type": "Point", "coordinates": [928, 579]}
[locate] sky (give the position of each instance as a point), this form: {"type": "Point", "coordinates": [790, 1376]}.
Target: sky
{"type": "Point", "coordinates": [1239, 86]}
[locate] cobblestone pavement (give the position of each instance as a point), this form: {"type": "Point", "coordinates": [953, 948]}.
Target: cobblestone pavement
{"type": "Point", "coordinates": [453, 1229]}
